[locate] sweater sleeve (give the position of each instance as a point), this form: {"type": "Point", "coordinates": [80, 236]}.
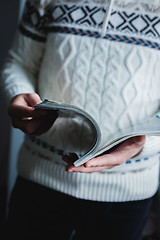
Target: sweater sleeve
{"type": "Point", "coordinates": [22, 64]}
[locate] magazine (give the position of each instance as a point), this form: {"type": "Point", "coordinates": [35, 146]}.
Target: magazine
{"type": "Point", "coordinates": [149, 126]}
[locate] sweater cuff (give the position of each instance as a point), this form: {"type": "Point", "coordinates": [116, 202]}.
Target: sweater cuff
{"type": "Point", "coordinates": [13, 90]}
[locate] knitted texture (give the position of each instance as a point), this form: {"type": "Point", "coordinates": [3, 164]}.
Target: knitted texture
{"type": "Point", "coordinates": [117, 82]}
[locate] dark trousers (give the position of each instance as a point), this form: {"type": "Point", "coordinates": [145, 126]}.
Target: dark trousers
{"type": "Point", "coordinates": [36, 212]}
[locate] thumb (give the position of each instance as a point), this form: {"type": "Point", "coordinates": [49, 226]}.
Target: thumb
{"type": "Point", "coordinates": [32, 99]}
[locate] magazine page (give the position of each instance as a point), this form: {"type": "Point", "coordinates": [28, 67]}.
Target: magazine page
{"type": "Point", "coordinates": [67, 110]}
{"type": "Point", "coordinates": [149, 126]}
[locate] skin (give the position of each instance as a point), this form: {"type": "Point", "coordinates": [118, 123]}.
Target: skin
{"type": "Point", "coordinates": [26, 118]}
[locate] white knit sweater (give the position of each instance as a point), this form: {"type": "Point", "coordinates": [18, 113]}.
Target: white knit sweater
{"type": "Point", "coordinates": [104, 57]}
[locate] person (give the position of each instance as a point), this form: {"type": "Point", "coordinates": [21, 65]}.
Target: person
{"type": "Point", "coordinates": [102, 56]}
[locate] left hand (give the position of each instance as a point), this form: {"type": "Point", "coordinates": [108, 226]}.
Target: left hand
{"type": "Point", "coordinates": [126, 150]}
{"type": "Point", "coordinates": [26, 118]}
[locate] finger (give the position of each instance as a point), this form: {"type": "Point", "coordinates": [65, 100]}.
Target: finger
{"type": "Point", "coordinates": [22, 111]}
{"type": "Point", "coordinates": [106, 160]}
{"type": "Point", "coordinates": [22, 105]}
{"type": "Point", "coordinates": [32, 99]}
{"type": "Point", "coordinates": [83, 169]}
{"type": "Point", "coordinates": [27, 126]}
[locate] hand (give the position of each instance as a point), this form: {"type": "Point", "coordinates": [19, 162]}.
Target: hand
{"type": "Point", "coordinates": [118, 156]}
{"type": "Point", "coordinates": [26, 118]}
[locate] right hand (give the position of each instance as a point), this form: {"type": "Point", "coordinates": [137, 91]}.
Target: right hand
{"type": "Point", "coordinates": [124, 151]}
{"type": "Point", "coordinates": [26, 118]}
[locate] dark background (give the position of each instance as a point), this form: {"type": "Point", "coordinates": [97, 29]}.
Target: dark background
{"type": "Point", "coordinates": [9, 11]}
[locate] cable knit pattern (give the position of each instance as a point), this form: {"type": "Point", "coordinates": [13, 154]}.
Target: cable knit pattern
{"type": "Point", "coordinates": [129, 90]}
{"type": "Point", "coordinates": [116, 81]}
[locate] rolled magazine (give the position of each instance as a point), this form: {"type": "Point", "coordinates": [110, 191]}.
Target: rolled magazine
{"type": "Point", "coordinates": [150, 126]}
